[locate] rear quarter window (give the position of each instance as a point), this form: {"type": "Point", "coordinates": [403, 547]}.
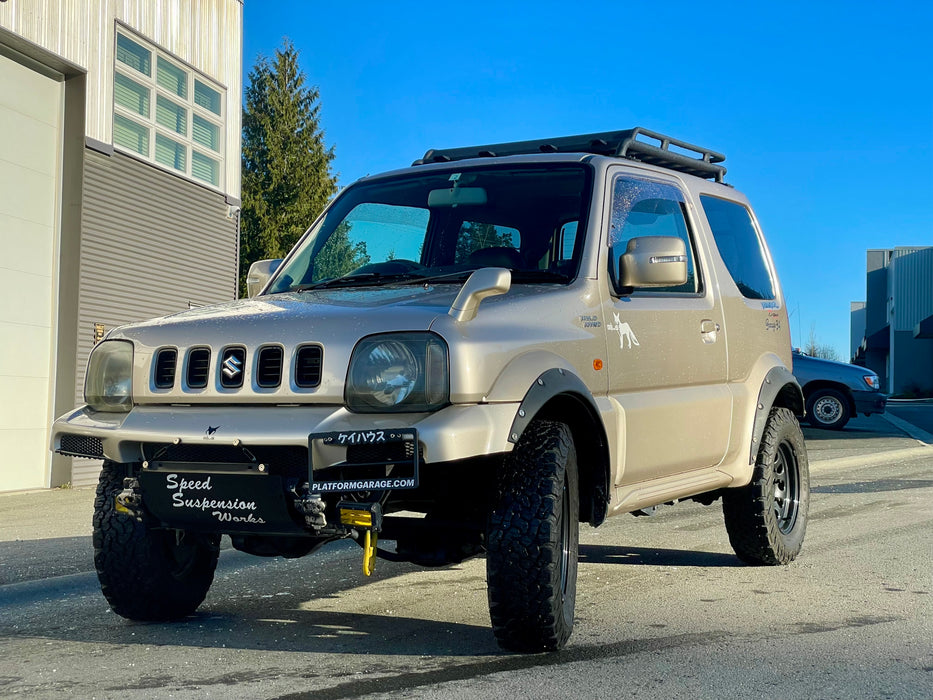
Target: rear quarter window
{"type": "Point", "coordinates": [740, 247]}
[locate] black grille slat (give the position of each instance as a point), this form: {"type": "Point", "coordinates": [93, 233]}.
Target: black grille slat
{"type": "Point", "coordinates": [164, 373]}
{"type": "Point", "coordinates": [308, 363]}
{"type": "Point", "coordinates": [199, 361]}
{"type": "Point", "coordinates": [81, 446]}
{"type": "Point", "coordinates": [283, 460]}
{"type": "Point", "coordinates": [269, 367]}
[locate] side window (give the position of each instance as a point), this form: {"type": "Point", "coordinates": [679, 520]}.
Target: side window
{"type": "Point", "coordinates": [647, 208]}
{"type": "Point", "coordinates": [740, 247]}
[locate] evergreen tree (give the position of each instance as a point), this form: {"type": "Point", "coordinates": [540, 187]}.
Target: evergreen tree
{"type": "Point", "coordinates": [286, 172]}
{"type": "Point", "coordinates": [340, 255]}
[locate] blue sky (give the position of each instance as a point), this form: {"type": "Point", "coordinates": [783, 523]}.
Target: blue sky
{"type": "Point", "coordinates": [824, 110]}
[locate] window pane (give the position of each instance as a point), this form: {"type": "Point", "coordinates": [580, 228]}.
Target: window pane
{"type": "Point", "coordinates": [171, 116]}
{"type": "Point", "coordinates": [172, 78]}
{"type": "Point", "coordinates": [497, 242]}
{"type": "Point", "coordinates": [130, 94]}
{"type": "Point", "coordinates": [170, 153]}
{"type": "Point", "coordinates": [204, 168]}
{"type": "Point", "coordinates": [134, 55]}
{"type": "Point", "coordinates": [647, 208]}
{"type": "Point", "coordinates": [131, 135]}
{"type": "Point", "coordinates": [205, 133]}
{"type": "Point", "coordinates": [206, 97]}
{"type": "Point", "coordinates": [739, 247]}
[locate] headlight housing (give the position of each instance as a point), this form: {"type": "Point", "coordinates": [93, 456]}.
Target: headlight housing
{"type": "Point", "coordinates": [108, 385]}
{"type": "Point", "coordinates": [398, 372]}
{"type": "Point", "coordinates": [872, 381]}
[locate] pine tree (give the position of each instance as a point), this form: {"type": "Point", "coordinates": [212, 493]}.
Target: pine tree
{"type": "Point", "coordinates": [286, 171]}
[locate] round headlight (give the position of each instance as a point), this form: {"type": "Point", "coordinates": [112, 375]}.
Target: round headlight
{"type": "Point", "coordinates": [398, 372]}
{"type": "Point", "coordinates": [388, 371]}
{"type": "Point", "coordinates": [108, 385]}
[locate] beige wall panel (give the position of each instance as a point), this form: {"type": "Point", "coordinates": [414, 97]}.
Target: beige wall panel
{"type": "Point", "coordinates": [30, 165]}
{"type": "Point", "coordinates": [23, 243]}
{"type": "Point", "coordinates": [21, 443]}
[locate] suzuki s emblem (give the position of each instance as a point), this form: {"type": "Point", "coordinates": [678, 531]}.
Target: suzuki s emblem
{"type": "Point", "coordinates": [233, 366]}
{"type": "Point", "coordinates": [211, 430]}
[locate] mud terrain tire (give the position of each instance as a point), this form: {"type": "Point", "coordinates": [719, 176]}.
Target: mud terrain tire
{"type": "Point", "coordinates": [767, 519]}
{"type": "Point", "coordinates": [147, 574]}
{"type": "Point", "coordinates": [533, 538]}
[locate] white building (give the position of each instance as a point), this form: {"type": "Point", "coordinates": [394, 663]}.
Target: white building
{"type": "Point", "coordinates": [119, 192]}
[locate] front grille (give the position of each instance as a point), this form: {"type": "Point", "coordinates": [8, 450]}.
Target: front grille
{"type": "Point", "coordinates": [199, 361]}
{"type": "Point", "coordinates": [81, 446]}
{"type": "Point", "coordinates": [283, 460]}
{"type": "Point", "coordinates": [269, 367]}
{"type": "Point", "coordinates": [389, 452]}
{"type": "Point", "coordinates": [164, 373]}
{"type": "Point", "coordinates": [308, 363]}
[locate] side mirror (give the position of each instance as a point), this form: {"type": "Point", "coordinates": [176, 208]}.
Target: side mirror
{"type": "Point", "coordinates": [259, 274]}
{"type": "Point", "coordinates": [653, 261]}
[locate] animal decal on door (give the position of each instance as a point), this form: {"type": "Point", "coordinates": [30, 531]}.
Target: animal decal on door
{"type": "Point", "coordinates": [625, 332]}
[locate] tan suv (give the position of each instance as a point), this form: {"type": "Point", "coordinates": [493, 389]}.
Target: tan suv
{"type": "Point", "coordinates": [471, 355]}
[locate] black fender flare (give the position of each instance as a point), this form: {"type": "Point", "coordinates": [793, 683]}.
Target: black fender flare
{"type": "Point", "coordinates": [780, 388]}
{"type": "Point", "coordinates": [594, 459]}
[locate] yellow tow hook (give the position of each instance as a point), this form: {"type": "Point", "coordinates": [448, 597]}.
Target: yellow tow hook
{"type": "Point", "coordinates": [369, 552]}
{"type": "Point", "coordinates": [366, 518]}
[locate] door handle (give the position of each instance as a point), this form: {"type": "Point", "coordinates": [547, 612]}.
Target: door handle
{"type": "Point", "coordinates": [709, 330]}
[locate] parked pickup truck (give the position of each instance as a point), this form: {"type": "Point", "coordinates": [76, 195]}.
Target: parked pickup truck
{"type": "Point", "coordinates": [837, 391]}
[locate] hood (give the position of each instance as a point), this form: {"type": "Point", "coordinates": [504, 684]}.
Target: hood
{"type": "Point", "coordinates": [295, 317]}
{"type": "Point", "coordinates": [279, 333]}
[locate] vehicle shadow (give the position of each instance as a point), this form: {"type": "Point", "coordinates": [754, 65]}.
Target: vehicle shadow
{"type": "Point", "coordinates": [850, 433]}
{"type": "Point", "coordinates": [641, 556]}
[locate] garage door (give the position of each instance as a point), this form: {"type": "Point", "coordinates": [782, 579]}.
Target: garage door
{"type": "Point", "coordinates": [30, 165]}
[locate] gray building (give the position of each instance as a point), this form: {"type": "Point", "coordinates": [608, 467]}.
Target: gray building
{"type": "Point", "coordinates": [895, 323]}
{"type": "Point", "coordinates": [119, 192]}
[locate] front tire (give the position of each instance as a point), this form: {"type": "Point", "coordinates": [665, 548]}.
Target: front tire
{"type": "Point", "coordinates": [767, 519]}
{"type": "Point", "coordinates": [828, 409]}
{"type": "Point", "coordinates": [533, 540]}
{"type": "Point", "coordinates": [147, 574]}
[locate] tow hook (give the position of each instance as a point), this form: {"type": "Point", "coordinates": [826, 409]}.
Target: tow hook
{"type": "Point", "coordinates": [130, 500]}
{"type": "Point", "coordinates": [365, 518]}
{"type": "Point", "coordinates": [311, 506]}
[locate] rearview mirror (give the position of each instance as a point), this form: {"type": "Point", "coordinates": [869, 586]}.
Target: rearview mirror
{"type": "Point", "coordinates": [653, 261]}
{"type": "Point", "coordinates": [259, 274]}
{"type": "Point", "coordinates": [457, 196]}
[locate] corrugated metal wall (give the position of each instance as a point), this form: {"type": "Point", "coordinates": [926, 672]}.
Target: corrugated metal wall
{"type": "Point", "coordinates": [912, 279]}
{"type": "Point", "coordinates": [151, 244]}
{"type": "Point", "coordinates": [207, 34]}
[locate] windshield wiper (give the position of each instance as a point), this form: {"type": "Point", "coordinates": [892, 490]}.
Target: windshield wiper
{"type": "Point", "coordinates": [365, 279]}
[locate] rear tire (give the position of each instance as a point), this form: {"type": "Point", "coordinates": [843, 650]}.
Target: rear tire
{"type": "Point", "coordinates": [767, 519]}
{"type": "Point", "coordinates": [147, 574]}
{"type": "Point", "coordinates": [533, 540]}
{"type": "Point", "coordinates": [828, 409]}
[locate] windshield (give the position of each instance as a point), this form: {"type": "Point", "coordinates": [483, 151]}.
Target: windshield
{"type": "Point", "coordinates": [440, 226]}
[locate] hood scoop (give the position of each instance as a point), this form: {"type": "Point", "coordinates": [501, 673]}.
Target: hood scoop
{"type": "Point", "coordinates": [486, 282]}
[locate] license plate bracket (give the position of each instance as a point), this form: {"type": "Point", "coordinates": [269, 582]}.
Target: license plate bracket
{"type": "Point", "coordinates": [368, 452]}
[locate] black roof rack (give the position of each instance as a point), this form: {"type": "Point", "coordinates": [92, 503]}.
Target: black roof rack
{"type": "Point", "coordinates": [656, 150]}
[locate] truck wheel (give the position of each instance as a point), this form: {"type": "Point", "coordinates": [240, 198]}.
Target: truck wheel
{"type": "Point", "coordinates": [767, 519]}
{"type": "Point", "coordinates": [147, 574]}
{"type": "Point", "coordinates": [828, 408]}
{"type": "Point", "coordinates": [533, 536]}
